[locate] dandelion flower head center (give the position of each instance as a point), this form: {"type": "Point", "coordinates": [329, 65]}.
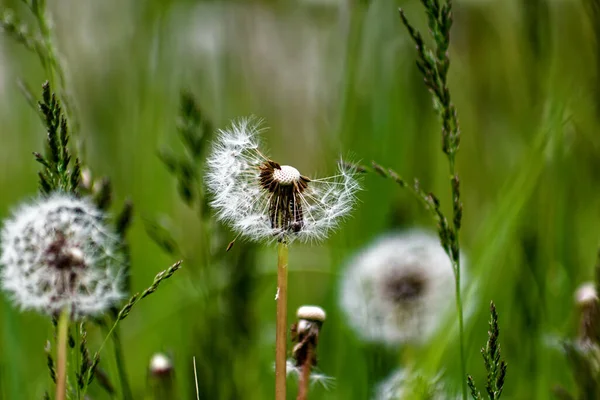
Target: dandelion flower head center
{"type": "Point", "coordinates": [286, 175]}
{"type": "Point", "coordinates": [405, 287]}
{"type": "Point", "coordinates": [61, 257]}
{"type": "Point", "coordinates": [285, 185]}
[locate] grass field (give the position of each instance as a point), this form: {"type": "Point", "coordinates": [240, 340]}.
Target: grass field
{"type": "Point", "coordinates": [329, 78]}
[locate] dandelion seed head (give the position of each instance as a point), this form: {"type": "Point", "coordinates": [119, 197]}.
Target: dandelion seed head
{"type": "Point", "coordinates": [399, 289]}
{"type": "Point", "coordinates": [265, 201]}
{"type": "Point", "coordinates": [58, 253]}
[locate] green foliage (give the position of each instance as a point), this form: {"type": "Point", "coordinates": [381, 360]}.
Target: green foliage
{"type": "Point", "coordinates": [494, 365]}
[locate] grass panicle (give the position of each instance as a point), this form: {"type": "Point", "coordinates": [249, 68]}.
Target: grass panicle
{"type": "Point", "coordinates": [434, 63]}
{"type": "Point", "coordinates": [41, 41]}
{"type": "Point", "coordinates": [494, 364]}
{"type": "Point", "coordinates": [58, 172]}
{"type": "Point", "coordinates": [50, 361]}
{"type": "Point", "coordinates": [124, 312]}
{"type": "Point", "coordinates": [194, 132]}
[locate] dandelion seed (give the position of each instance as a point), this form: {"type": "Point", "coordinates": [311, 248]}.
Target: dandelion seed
{"type": "Point", "coordinates": [399, 289]}
{"type": "Point", "coordinates": [58, 253]}
{"type": "Point", "coordinates": [266, 201]}
{"type": "Point", "coordinates": [316, 377]}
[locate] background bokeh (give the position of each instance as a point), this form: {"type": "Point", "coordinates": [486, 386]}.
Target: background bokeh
{"type": "Point", "coordinates": [329, 77]}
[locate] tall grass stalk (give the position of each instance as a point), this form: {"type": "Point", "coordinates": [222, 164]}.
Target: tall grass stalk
{"type": "Point", "coordinates": [281, 335]}
{"type": "Point", "coordinates": [61, 355]}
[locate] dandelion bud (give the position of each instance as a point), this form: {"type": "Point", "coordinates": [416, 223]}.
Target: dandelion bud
{"type": "Point", "coordinates": [161, 382]}
{"type": "Point", "coordinates": [586, 294]}
{"type": "Point", "coordinates": [59, 253]}
{"type": "Point", "coordinates": [160, 364]}
{"type": "Point", "coordinates": [305, 335]}
{"type": "Point", "coordinates": [86, 179]}
{"type": "Point", "coordinates": [586, 298]}
{"type": "Point", "coordinates": [311, 313]}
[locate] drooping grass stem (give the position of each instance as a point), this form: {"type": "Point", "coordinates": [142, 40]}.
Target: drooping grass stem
{"type": "Point", "coordinates": [281, 335]}
{"type": "Point", "coordinates": [61, 355]}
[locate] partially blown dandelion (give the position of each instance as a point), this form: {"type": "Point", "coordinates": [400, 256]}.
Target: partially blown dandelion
{"type": "Point", "coordinates": [398, 289]}
{"type": "Point", "coordinates": [264, 200]}
{"type": "Point", "coordinates": [58, 254]}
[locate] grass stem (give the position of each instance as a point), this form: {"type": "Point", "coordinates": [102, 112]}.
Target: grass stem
{"type": "Point", "coordinates": [281, 335]}
{"type": "Point", "coordinates": [61, 355]}
{"type": "Point", "coordinates": [125, 388]}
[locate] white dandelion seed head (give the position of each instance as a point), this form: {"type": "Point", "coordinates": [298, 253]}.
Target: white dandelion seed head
{"type": "Point", "coordinates": [399, 289]}
{"type": "Point", "coordinates": [316, 377]}
{"type": "Point", "coordinates": [405, 384]}
{"type": "Point", "coordinates": [265, 201]}
{"type": "Point", "coordinates": [586, 294]}
{"type": "Point", "coordinates": [59, 253]}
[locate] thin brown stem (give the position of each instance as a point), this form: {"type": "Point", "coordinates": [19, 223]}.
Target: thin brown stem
{"type": "Point", "coordinates": [61, 355]}
{"type": "Point", "coordinates": [304, 379]}
{"type": "Point", "coordinates": [281, 337]}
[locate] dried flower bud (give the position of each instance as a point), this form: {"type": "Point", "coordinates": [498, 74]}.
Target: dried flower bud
{"type": "Point", "coordinates": [311, 313]}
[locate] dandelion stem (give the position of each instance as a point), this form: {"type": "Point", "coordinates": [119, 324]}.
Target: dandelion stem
{"type": "Point", "coordinates": [304, 379]}
{"type": "Point", "coordinates": [281, 336]}
{"type": "Point", "coordinates": [61, 355]}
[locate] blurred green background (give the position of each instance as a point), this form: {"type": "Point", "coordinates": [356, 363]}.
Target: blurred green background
{"type": "Point", "coordinates": [330, 77]}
